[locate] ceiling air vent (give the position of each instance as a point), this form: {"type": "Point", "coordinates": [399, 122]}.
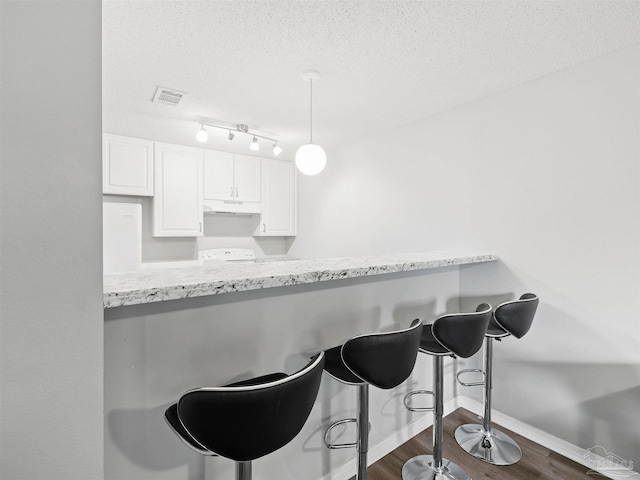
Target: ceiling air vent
{"type": "Point", "coordinates": [164, 96]}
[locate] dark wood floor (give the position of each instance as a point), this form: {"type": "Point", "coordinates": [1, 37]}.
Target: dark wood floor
{"type": "Point", "coordinates": [537, 463]}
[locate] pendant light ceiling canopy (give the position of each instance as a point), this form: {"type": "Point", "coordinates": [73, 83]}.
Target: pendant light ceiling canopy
{"type": "Point", "coordinates": [311, 158]}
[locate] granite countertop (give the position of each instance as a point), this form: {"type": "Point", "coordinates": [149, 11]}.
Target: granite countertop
{"type": "Point", "coordinates": [147, 286]}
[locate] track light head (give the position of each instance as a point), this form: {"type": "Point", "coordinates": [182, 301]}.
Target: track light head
{"type": "Point", "coordinates": [202, 136]}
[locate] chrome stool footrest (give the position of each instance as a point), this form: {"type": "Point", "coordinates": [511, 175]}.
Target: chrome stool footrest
{"type": "Point", "coordinates": [336, 446]}
{"type": "Point", "coordinates": [418, 409]}
{"type": "Point", "coordinates": [471, 384]}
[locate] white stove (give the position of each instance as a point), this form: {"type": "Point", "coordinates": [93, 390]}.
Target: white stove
{"type": "Point", "coordinates": [220, 255]}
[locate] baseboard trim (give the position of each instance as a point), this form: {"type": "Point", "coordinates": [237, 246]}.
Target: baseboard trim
{"type": "Point", "coordinates": [589, 459]}
{"type": "Point", "coordinates": [389, 444]}
{"type": "Point", "coordinates": [579, 455]}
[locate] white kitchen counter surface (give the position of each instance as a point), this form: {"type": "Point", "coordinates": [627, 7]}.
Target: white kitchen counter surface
{"type": "Point", "coordinates": [149, 286]}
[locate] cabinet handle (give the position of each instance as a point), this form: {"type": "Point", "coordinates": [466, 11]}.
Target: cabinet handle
{"type": "Point", "coordinates": [264, 227]}
{"type": "Point", "coordinates": [231, 191]}
{"type": "Point", "coordinates": [236, 192]}
{"type": "Point", "coordinates": [200, 227]}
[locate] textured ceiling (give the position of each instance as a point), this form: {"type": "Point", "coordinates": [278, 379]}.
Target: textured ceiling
{"type": "Point", "coordinates": [383, 63]}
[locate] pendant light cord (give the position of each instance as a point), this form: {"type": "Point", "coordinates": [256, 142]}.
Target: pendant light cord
{"type": "Point", "coordinates": [311, 111]}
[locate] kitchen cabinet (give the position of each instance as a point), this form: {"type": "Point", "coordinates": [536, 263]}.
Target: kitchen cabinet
{"type": "Point", "coordinates": [278, 213]}
{"type": "Point", "coordinates": [127, 166]}
{"type": "Point", "coordinates": [230, 177]}
{"type": "Point", "coordinates": [177, 203]}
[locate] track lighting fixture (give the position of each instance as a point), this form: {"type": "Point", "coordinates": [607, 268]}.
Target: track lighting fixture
{"type": "Point", "coordinates": [202, 136]}
{"type": "Point", "coordinates": [311, 158]}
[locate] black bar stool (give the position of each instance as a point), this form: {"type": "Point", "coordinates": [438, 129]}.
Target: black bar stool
{"type": "Point", "coordinates": [247, 420]}
{"type": "Point", "coordinates": [481, 441]}
{"type": "Point", "coordinates": [461, 335]}
{"type": "Point", "coordinates": [383, 360]}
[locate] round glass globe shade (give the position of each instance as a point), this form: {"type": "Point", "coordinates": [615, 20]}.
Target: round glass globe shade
{"type": "Point", "coordinates": [311, 159]}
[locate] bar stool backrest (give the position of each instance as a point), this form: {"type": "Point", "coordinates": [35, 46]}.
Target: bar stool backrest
{"type": "Point", "coordinates": [384, 359]}
{"type": "Point", "coordinates": [246, 422]}
{"type": "Point", "coordinates": [463, 333]}
{"type": "Point", "coordinates": [516, 316]}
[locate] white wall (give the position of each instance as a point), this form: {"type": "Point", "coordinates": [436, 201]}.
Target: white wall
{"type": "Point", "coordinates": [51, 339]}
{"type": "Point", "coordinates": [545, 175]}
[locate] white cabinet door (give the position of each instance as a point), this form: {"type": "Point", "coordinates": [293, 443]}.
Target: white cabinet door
{"type": "Point", "coordinates": [231, 177]}
{"type": "Point", "coordinates": [218, 175]}
{"type": "Point", "coordinates": [127, 166]}
{"type": "Point", "coordinates": [246, 175]}
{"type": "Point", "coordinates": [278, 216]}
{"type": "Point", "coordinates": [177, 204]}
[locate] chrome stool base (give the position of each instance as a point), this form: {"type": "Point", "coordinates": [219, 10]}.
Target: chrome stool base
{"type": "Point", "coordinates": [495, 448]}
{"type": "Point", "coordinates": [421, 468]}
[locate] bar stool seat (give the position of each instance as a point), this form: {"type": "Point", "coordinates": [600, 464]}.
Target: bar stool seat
{"type": "Point", "coordinates": [247, 420]}
{"type": "Point", "coordinates": [383, 360]}
{"type": "Point", "coordinates": [429, 344]}
{"type": "Point", "coordinates": [482, 441]}
{"type": "Point", "coordinates": [335, 366]}
{"type": "Point", "coordinates": [458, 335]}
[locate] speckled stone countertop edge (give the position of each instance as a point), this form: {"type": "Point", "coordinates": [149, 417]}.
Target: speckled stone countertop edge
{"type": "Point", "coordinates": [142, 287]}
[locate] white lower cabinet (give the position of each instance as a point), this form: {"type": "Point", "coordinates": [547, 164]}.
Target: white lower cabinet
{"type": "Point", "coordinates": [127, 166]}
{"type": "Point", "coordinates": [278, 214]}
{"type": "Point", "coordinates": [177, 202]}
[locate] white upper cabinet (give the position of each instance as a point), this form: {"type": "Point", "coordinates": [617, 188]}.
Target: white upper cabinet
{"type": "Point", "coordinates": [246, 175]}
{"type": "Point", "coordinates": [218, 175]}
{"type": "Point", "coordinates": [127, 166]}
{"type": "Point", "coordinates": [278, 214]}
{"type": "Point", "coordinates": [186, 181]}
{"type": "Point", "coordinates": [230, 177]}
{"type": "Point", "coordinates": [177, 203]}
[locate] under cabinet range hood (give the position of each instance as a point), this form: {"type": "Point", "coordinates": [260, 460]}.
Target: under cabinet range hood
{"type": "Point", "coordinates": [231, 206]}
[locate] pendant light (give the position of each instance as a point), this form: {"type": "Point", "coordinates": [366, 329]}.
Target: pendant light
{"type": "Point", "coordinates": [310, 158]}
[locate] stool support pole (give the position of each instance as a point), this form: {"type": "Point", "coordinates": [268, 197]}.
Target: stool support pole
{"type": "Point", "coordinates": [438, 432]}
{"type": "Point", "coordinates": [482, 441]}
{"type": "Point", "coordinates": [434, 467]}
{"type": "Point", "coordinates": [363, 430]}
{"type": "Point", "coordinates": [488, 384]}
{"type": "Point", "coordinates": [243, 470]}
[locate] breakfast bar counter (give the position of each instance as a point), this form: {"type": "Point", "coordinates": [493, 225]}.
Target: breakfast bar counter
{"type": "Point", "coordinates": [147, 286]}
{"type": "Point", "coordinates": [226, 322]}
